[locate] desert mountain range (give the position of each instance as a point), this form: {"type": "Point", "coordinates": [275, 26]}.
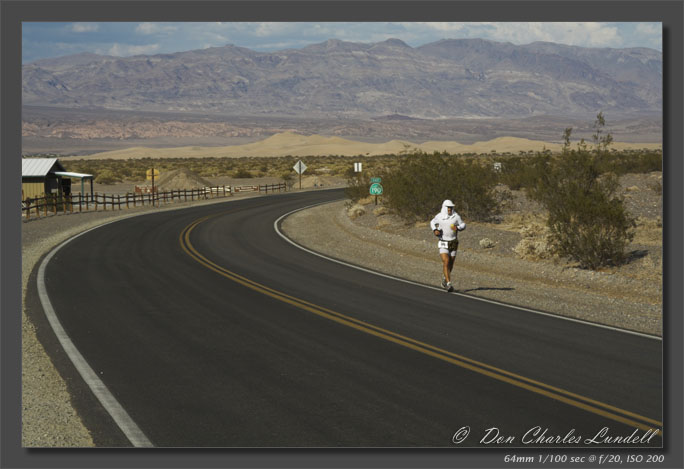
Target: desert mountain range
{"type": "Point", "coordinates": [463, 78]}
{"type": "Point", "coordinates": [293, 144]}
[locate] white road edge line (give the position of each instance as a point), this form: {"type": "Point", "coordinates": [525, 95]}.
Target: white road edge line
{"type": "Point", "coordinates": [521, 308]}
{"type": "Point", "coordinates": [118, 413]}
{"type": "Point", "coordinates": [134, 434]}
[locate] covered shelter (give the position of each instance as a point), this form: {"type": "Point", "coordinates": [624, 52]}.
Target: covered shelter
{"type": "Point", "coordinates": [44, 176]}
{"type": "Point", "coordinates": [83, 177]}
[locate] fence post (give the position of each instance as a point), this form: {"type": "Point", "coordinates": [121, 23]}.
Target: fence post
{"type": "Point", "coordinates": [28, 208]}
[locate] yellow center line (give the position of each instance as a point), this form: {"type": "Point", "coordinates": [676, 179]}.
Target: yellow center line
{"type": "Point", "coordinates": [537, 387]}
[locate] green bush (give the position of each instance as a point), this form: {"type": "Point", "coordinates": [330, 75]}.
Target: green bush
{"type": "Point", "coordinates": [416, 188]}
{"type": "Point", "coordinates": [625, 162]}
{"type": "Point", "coordinates": [107, 176]}
{"type": "Point", "coordinates": [358, 185]}
{"type": "Point", "coordinates": [587, 221]}
{"type": "Point", "coordinates": [242, 173]}
{"type": "Point", "coordinates": [520, 172]}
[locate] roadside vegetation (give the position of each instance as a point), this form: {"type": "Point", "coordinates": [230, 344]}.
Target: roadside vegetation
{"type": "Point", "coordinates": [588, 222]}
{"type": "Point", "coordinates": [578, 186]}
{"type": "Point", "coordinates": [586, 219]}
{"type": "Point", "coordinates": [110, 171]}
{"type": "Point", "coordinates": [420, 182]}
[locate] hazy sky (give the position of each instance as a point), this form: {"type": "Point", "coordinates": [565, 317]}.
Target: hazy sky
{"type": "Point", "coordinates": [53, 39]}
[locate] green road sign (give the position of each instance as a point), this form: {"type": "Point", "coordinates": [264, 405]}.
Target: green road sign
{"type": "Point", "coordinates": [378, 180]}
{"type": "Point", "coordinates": [376, 189]}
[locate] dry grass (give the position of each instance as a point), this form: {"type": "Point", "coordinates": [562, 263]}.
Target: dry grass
{"type": "Point", "coordinates": [519, 221]}
{"type": "Point", "coordinates": [356, 211]}
{"type": "Point", "coordinates": [649, 232]}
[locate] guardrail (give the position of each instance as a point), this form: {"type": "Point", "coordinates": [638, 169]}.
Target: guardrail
{"type": "Point", "coordinates": [54, 204]}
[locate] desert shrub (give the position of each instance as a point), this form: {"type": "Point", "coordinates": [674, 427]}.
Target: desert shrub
{"type": "Point", "coordinates": [416, 188]}
{"type": "Point", "coordinates": [288, 178]}
{"type": "Point", "coordinates": [242, 173]}
{"type": "Point", "coordinates": [107, 176]}
{"type": "Point", "coordinates": [474, 188]}
{"type": "Point", "coordinates": [657, 187]}
{"type": "Point", "coordinates": [520, 172]}
{"type": "Point", "coordinates": [587, 221]}
{"type": "Point", "coordinates": [625, 162]}
{"type": "Point", "coordinates": [358, 185]}
{"type": "Point", "coordinates": [355, 211]}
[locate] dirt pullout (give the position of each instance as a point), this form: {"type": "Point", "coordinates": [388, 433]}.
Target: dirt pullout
{"type": "Point", "coordinates": [181, 178]}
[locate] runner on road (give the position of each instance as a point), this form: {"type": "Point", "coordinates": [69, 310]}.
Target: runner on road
{"type": "Point", "coordinates": [446, 226]}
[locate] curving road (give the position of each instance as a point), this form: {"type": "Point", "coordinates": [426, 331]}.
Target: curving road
{"type": "Point", "coordinates": [203, 327]}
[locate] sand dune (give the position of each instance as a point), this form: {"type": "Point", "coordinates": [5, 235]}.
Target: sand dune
{"type": "Point", "coordinates": [289, 143]}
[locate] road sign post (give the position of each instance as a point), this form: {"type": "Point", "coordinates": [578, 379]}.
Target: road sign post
{"type": "Point", "coordinates": [151, 173]}
{"type": "Point", "coordinates": [376, 190]}
{"type": "Point", "coordinates": [300, 167]}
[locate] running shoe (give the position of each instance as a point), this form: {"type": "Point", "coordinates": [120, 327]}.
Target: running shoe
{"type": "Point", "coordinates": [449, 287]}
{"type": "Point", "coordinates": [444, 282]}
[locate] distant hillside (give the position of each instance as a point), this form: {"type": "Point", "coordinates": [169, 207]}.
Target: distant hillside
{"type": "Point", "coordinates": [445, 79]}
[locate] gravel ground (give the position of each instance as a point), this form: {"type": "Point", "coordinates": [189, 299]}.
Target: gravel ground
{"type": "Point", "coordinates": [628, 297]}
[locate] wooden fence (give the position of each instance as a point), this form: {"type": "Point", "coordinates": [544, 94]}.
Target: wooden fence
{"type": "Point", "coordinates": [54, 204]}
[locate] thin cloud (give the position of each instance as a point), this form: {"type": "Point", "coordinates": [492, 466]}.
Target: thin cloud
{"type": "Point", "coordinates": [438, 26]}
{"type": "Point", "coordinates": [123, 39]}
{"type": "Point", "coordinates": [270, 29]}
{"type": "Point", "coordinates": [154, 28]}
{"type": "Point", "coordinates": [649, 28]}
{"type": "Point", "coordinates": [571, 33]}
{"type": "Point", "coordinates": [84, 27]}
{"type": "Point", "coordinates": [125, 50]}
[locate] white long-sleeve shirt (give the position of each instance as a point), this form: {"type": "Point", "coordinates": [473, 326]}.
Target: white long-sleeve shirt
{"type": "Point", "coordinates": [449, 224]}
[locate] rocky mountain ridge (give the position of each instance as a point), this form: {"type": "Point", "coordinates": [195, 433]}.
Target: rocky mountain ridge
{"type": "Point", "coordinates": [452, 78]}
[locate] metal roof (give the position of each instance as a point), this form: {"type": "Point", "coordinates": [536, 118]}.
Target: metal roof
{"type": "Point", "coordinates": [66, 174]}
{"type": "Point", "coordinates": [38, 167]}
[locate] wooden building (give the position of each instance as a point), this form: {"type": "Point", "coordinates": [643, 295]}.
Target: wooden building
{"type": "Point", "coordinates": [45, 176]}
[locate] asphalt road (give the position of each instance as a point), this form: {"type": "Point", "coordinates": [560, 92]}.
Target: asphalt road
{"type": "Point", "coordinates": [209, 329]}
